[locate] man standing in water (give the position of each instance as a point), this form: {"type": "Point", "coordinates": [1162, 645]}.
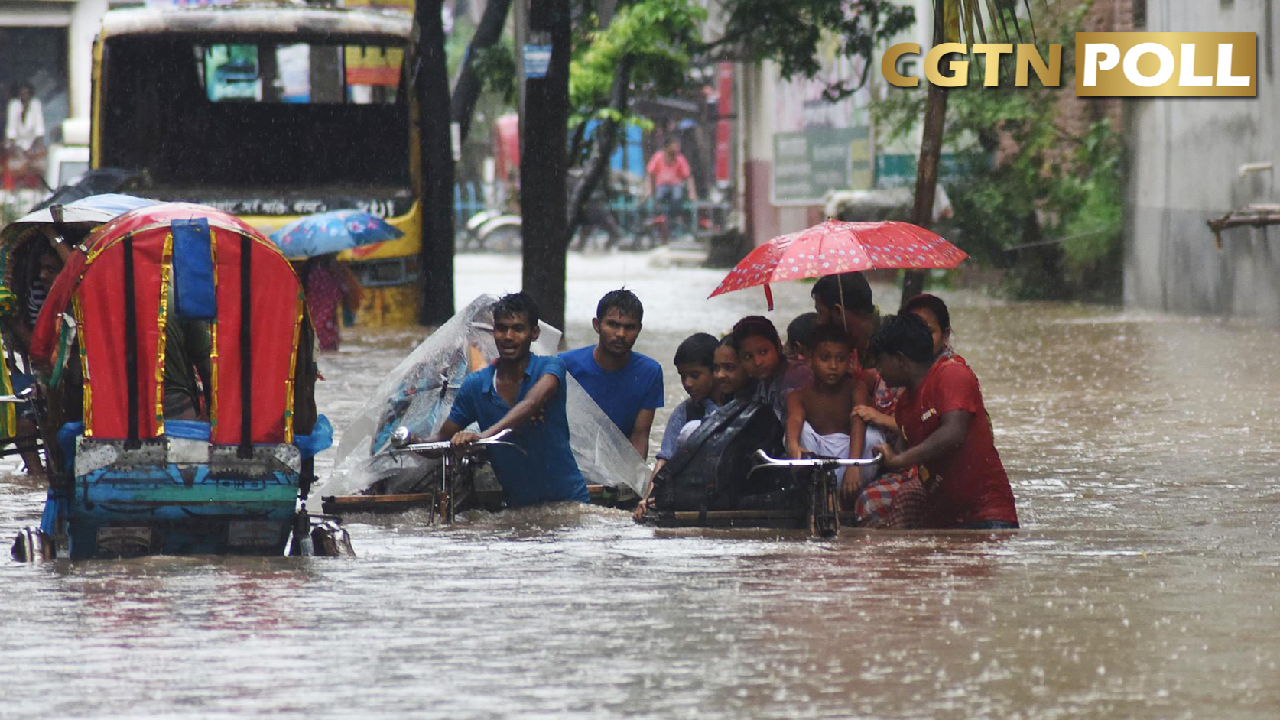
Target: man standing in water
{"type": "Point", "coordinates": [524, 393]}
{"type": "Point", "coordinates": [625, 384]}
{"type": "Point", "coordinates": [945, 428]}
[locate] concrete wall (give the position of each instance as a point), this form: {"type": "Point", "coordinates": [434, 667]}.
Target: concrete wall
{"type": "Point", "coordinates": [1185, 161]}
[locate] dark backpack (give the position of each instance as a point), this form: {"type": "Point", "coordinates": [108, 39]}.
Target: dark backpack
{"type": "Point", "coordinates": [710, 470]}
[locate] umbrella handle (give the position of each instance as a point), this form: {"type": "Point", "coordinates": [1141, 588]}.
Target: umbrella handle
{"type": "Point", "coordinates": [768, 296]}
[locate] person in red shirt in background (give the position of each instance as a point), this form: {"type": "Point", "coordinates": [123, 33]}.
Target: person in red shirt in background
{"type": "Point", "coordinates": [944, 428]}
{"type": "Point", "coordinates": [669, 176]}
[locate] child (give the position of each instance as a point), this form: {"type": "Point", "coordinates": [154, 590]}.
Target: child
{"type": "Point", "coordinates": [800, 336]}
{"type": "Point", "coordinates": [730, 378]}
{"type": "Point", "coordinates": [761, 351]}
{"type": "Point", "coordinates": [694, 360]}
{"type": "Point", "coordinates": [730, 375]}
{"type": "Point", "coordinates": [933, 311]}
{"type": "Point", "coordinates": [819, 415]}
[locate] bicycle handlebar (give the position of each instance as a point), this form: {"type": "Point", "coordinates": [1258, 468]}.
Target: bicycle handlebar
{"type": "Point", "coordinates": [21, 397]}
{"type": "Point", "coordinates": [766, 461]}
{"type": "Point", "coordinates": [401, 435]}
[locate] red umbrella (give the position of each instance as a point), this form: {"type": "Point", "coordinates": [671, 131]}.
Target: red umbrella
{"type": "Point", "coordinates": [834, 247]}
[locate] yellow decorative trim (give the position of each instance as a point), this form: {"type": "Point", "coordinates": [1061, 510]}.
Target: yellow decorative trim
{"type": "Point", "coordinates": [166, 279]}
{"type": "Point", "coordinates": [293, 367]}
{"type": "Point", "coordinates": [213, 337]}
{"type": "Point", "coordinates": [78, 312]}
{"type": "Point", "coordinates": [10, 417]}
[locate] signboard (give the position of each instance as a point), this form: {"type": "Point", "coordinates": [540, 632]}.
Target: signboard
{"type": "Point", "coordinates": [819, 145]}
{"type": "Point", "coordinates": [899, 169]}
{"type": "Point", "coordinates": [808, 163]}
{"type": "Point", "coordinates": [537, 58]}
{"type": "Point", "coordinates": [367, 65]}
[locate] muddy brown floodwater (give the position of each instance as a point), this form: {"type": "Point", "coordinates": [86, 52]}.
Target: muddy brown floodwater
{"type": "Point", "coordinates": [1142, 449]}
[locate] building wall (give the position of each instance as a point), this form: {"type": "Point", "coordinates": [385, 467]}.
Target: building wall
{"type": "Point", "coordinates": [79, 20]}
{"type": "Point", "coordinates": [760, 92]}
{"type": "Point", "coordinates": [1076, 114]}
{"type": "Point", "coordinates": [1186, 157]}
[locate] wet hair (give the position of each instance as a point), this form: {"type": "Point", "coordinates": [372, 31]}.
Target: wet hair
{"type": "Point", "coordinates": [509, 306]}
{"type": "Point", "coordinates": [800, 330]}
{"type": "Point", "coordinates": [622, 300]}
{"type": "Point", "coordinates": [852, 285]}
{"type": "Point", "coordinates": [697, 349]}
{"type": "Point", "coordinates": [904, 333]}
{"type": "Point", "coordinates": [831, 333]}
{"type": "Point", "coordinates": [933, 304]}
{"type": "Point", "coordinates": [758, 326]}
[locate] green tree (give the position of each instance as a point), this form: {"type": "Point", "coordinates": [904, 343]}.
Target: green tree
{"type": "Point", "coordinates": [1037, 200]}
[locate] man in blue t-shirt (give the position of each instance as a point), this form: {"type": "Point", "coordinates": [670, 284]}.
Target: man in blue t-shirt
{"type": "Point", "coordinates": [625, 384]}
{"type": "Point", "coordinates": [525, 393]}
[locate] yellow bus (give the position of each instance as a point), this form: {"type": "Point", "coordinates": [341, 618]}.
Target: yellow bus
{"type": "Point", "coordinates": [269, 113]}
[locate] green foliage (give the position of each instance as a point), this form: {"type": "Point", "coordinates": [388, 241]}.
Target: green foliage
{"type": "Point", "coordinates": [496, 68]}
{"type": "Point", "coordinates": [658, 36]}
{"type": "Point", "coordinates": [789, 32]}
{"type": "Point", "coordinates": [1037, 200]}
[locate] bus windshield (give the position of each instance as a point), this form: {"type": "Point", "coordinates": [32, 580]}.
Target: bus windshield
{"type": "Point", "coordinates": [274, 117]}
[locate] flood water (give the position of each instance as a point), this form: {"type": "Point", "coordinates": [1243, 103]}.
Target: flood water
{"type": "Point", "coordinates": [1144, 456]}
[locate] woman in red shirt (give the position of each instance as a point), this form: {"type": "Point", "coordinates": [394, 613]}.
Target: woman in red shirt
{"type": "Point", "coordinates": [945, 429]}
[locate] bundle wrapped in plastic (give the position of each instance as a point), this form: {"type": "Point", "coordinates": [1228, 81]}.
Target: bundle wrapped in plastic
{"type": "Point", "coordinates": [419, 392]}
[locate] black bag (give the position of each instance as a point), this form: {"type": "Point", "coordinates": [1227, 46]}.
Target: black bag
{"type": "Point", "coordinates": [710, 470]}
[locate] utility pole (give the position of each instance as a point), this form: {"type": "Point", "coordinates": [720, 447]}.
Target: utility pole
{"type": "Point", "coordinates": [543, 64]}
{"type": "Point", "coordinates": [435, 184]}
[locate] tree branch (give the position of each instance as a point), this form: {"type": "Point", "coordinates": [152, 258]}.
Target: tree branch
{"type": "Point", "coordinates": [467, 85]}
{"type": "Point", "coordinates": [606, 140]}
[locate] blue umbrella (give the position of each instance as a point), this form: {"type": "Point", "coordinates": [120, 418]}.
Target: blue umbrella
{"type": "Point", "coordinates": [95, 209]}
{"type": "Point", "coordinates": [331, 232]}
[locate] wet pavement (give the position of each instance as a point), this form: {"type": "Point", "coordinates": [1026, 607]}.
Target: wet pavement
{"type": "Point", "coordinates": [1142, 450]}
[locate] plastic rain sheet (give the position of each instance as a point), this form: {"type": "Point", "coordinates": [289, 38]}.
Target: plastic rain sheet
{"type": "Point", "coordinates": [419, 392]}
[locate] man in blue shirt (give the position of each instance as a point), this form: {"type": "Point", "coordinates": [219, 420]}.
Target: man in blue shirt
{"type": "Point", "coordinates": [625, 384]}
{"type": "Point", "coordinates": [525, 393]}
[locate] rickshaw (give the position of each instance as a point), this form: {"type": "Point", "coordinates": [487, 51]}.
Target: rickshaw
{"type": "Point", "coordinates": [724, 476]}
{"type": "Point", "coordinates": [376, 473]}
{"type": "Point", "coordinates": [127, 476]}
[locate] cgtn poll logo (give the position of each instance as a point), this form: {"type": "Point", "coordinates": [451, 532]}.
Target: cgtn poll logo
{"type": "Point", "coordinates": [1125, 64]}
{"type": "Point", "coordinates": [1167, 64]}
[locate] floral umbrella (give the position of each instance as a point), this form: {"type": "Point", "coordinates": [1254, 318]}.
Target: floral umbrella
{"type": "Point", "coordinates": [331, 232]}
{"type": "Point", "coordinates": [834, 247]}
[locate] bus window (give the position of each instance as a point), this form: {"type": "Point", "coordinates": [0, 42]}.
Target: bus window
{"type": "Point", "coordinates": [317, 124]}
{"type": "Point", "coordinates": [301, 73]}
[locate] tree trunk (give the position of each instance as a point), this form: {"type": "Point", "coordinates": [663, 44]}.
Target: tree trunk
{"type": "Point", "coordinates": [435, 190]}
{"type": "Point", "coordinates": [606, 140]}
{"type": "Point", "coordinates": [466, 88]}
{"type": "Point", "coordinates": [935, 120]}
{"type": "Point", "coordinates": [543, 163]}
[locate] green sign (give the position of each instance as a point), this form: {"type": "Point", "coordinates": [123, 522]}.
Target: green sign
{"type": "Point", "coordinates": [899, 170]}
{"type": "Point", "coordinates": [808, 163]}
